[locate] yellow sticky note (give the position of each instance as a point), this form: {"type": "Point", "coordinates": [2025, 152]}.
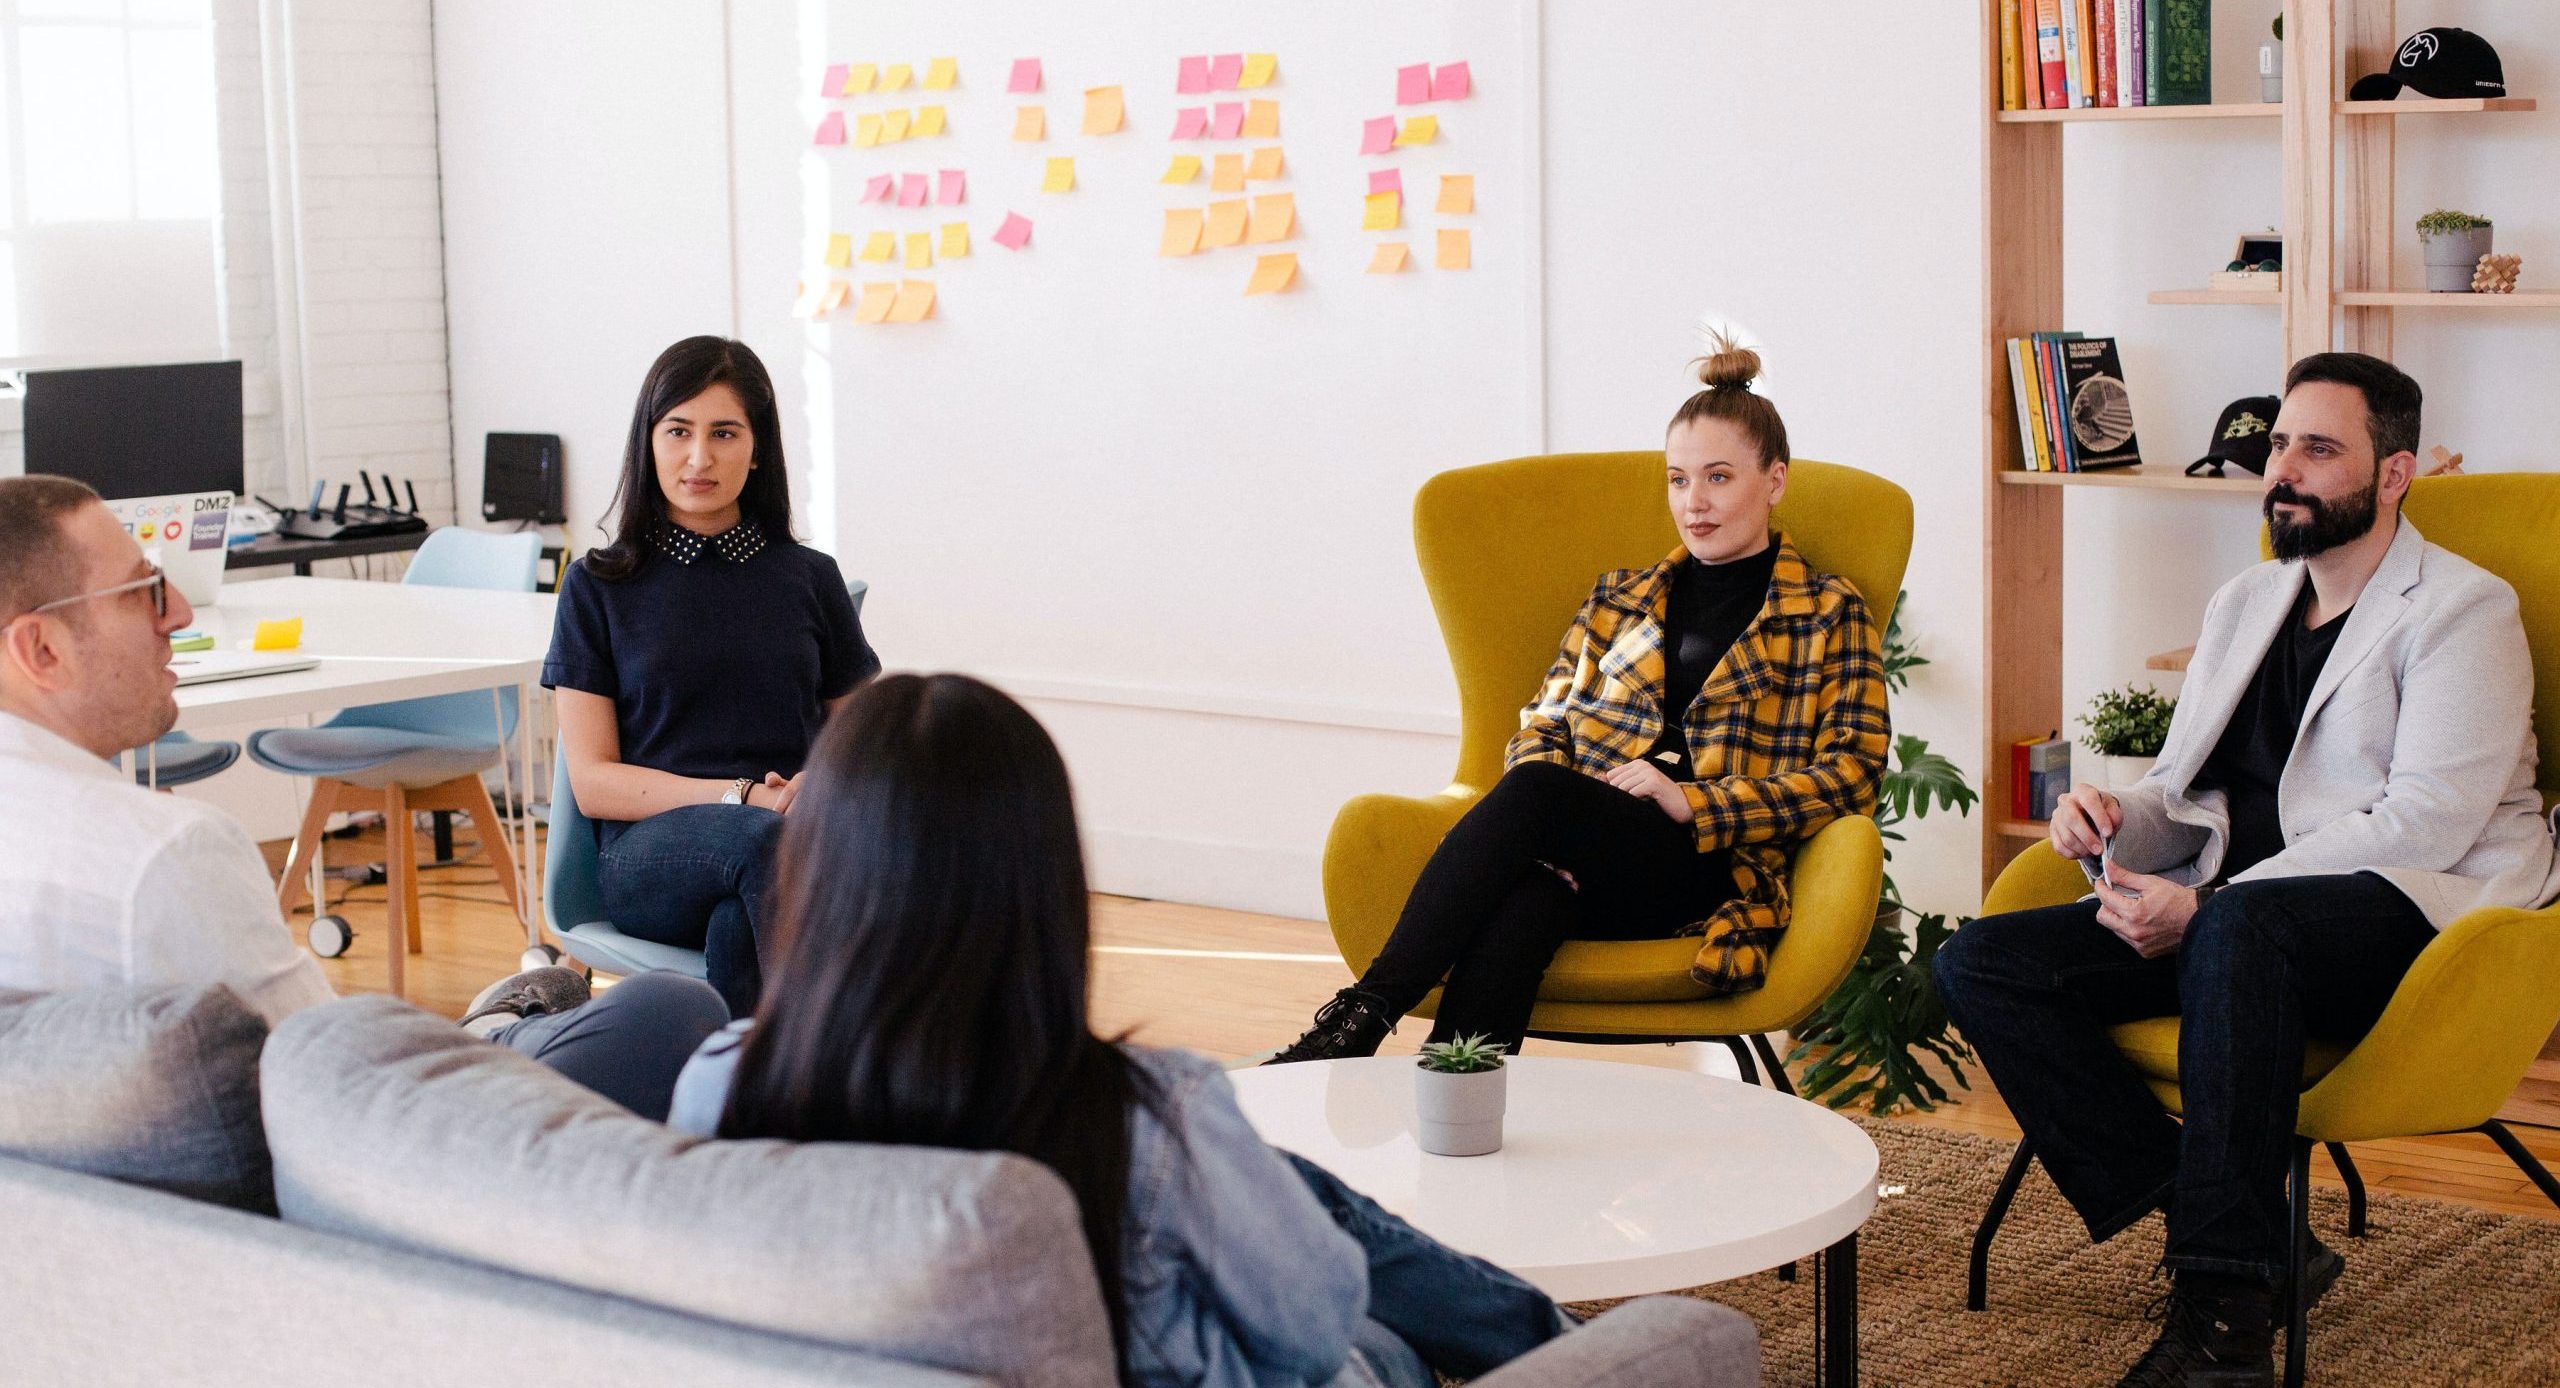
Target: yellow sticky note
{"type": "Point", "coordinates": [1272, 273]}
{"type": "Point", "coordinates": [1457, 251]}
{"type": "Point", "coordinates": [839, 250]}
{"type": "Point", "coordinates": [1258, 70]}
{"type": "Point", "coordinates": [1262, 121]}
{"type": "Point", "coordinates": [897, 77]}
{"type": "Point", "coordinates": [1226, 224]}
{"type": "Point", "coordinates": [837, 292]}
{"type": "Point", "coordinates": [919, 250]}
{"type": "Point", "coordinates": [866, 131]}
{"type": "Point", "coordinates": [283, 634]}
{"type": "Point", "coordinates": [1103, 110]}
{"type": "Point", "coordinates": [860, 78]}
{"type": "Point", "coordinates": [929, 120]}
{"type": "Point", "coordinates": [1264, 164]}
{"type": "Point", "coordinates": [1030, 123]}
{"type": "Point", "coordinates": [955, 240]}
{"type": "Point", "coordinates": [1227, 175]}
{"type": "Point", "coordinates": [1273, 215]}
{"type": "Point", "coordinates": [1457, 193]}
{"type": "Point", "coordinates": [894, 125]}
{"type": "Point", "coordinates": [1061, 177]}
{"type": "Point", "coordinates": [1181, 231]}
{"type": "Point", "coordinates": [914, 303]}
{"type": "Point", "coordinates": [1418, 130]}
{"type": "Point", "coordinates": [1183, 169]}
{"type": "Point", "coordinates": [1388, 258]}
{"type": "Point", "coordinates": [876, 299]}
{"type": "Point", "coordinates": [941, 73]}
{"type": "Point", "coordinates": [1385, 212]}
{"type": "Point", "coordinates": [881, 246]}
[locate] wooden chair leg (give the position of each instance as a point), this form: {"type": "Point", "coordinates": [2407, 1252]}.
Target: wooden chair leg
{"type": "Point", "coordinates": [474, 797]}
{"type": "Point", "coordinates": [400, 895]}
{"type": "Point", "coordinates": [294, 887]}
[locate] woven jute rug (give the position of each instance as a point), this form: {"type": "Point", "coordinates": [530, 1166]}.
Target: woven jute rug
{"type": "Point", "coordinates": [2433, 1294]}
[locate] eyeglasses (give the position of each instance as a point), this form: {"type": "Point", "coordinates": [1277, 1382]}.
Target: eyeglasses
{"type": "Point", "coordinates": [158, 583]}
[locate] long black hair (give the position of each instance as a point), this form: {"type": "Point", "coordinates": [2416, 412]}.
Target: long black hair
{"type": "Point", "coordinates": [929, 976]}
{"type": "Point", "coordinates": [680, 373]}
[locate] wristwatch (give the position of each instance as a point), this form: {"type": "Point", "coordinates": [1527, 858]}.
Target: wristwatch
{"type": "Point", "coordinates": [2204, 893]}
{"type": "Point", "coordinates": [736, 794]}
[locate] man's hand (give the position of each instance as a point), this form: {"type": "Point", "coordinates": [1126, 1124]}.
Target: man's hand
{"type": "Point", "coordinates": [2149, 913]}
{"type": "Point", "coordinates": [1645, 780]}
{"type": "Point", "coordinates": [2083, 820]}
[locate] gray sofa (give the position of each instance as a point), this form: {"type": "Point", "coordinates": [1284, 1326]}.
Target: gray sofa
{"type": "Point", "coordinates": [448, 1212]}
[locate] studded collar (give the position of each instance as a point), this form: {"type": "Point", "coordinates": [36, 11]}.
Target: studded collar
{"type": "Point", "coordinates": [737, 544]}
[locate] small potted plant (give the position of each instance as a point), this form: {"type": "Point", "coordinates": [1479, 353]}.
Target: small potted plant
{"type": "Point", "coordinates": [2126, 729]}
{"type": "Point", "coordinates": [1458, 1091]}
{"type": "Point", "coordinates": [2453, 242]}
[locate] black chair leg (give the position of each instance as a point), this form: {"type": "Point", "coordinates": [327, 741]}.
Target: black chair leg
{"type": "Point", "coordinates": [2355, 1188]}
{"type": "Point", "coordinates": [1769, 1061]}
{"type": "Point", "coordinates": [2516, 1152]}
{"type": "Point", "coordinates": [2297, 1355]}
{"type": "Point", "coordinates": [1742, 1057]}
{"type": "Point", "coordinates": [1978, 1275]}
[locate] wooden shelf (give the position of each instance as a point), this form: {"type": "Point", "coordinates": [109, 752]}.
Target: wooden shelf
{"type": "Point", "coordinates": [2229, 110]}
{"type": "Point", "coordinates": [2142, 476]}
{"type": "Point", "coordinates": [2021, 828]}
{"type": "Point", "coordinates": [2265, 298]}
{"type": "Point", "coordinates": [2428, 106]}
{"type": "Point", "coordinates": [2420, 298]}
{"type": "Point", "coordinates": [2175, 662]}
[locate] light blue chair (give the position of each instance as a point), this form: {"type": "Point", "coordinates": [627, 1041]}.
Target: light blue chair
{"type": "Point", "coordinates": [573, 898]}
{"type": "Point", "coordinates": [410, 755]}
{"type": "Point", "coordinates": [180, 760]}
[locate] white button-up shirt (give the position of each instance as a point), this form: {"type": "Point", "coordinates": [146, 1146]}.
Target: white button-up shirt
{"type": "Point", "coordinates": [105, 883]}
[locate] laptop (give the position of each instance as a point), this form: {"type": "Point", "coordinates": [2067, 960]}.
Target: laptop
{"type": "Point", "coordinates": [207, 667]}
{"type": "Point", "coordinates": [185, 534]}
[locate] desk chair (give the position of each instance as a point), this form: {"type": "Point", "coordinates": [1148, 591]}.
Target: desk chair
{"type": "Point", "coordinates": [2481, 999]}
{"type": "Point", "coordinates": [573, 899]}
{"type": "Point", "coordinates": [1509, 552]}
{"type": "Point", "coordinates": [179, 760]}
{"type": "Point", "coordinates": [410, 755]}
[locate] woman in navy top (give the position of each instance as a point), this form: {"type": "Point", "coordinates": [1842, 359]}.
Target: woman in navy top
{"type": "Point", "coordinates": [695, 658]}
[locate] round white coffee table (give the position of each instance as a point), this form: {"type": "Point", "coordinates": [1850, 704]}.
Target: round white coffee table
{"type": "Point", "coordinates": [1613, 1180]}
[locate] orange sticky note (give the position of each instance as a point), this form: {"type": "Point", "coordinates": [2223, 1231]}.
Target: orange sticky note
{"type": "Point", "coordinates": [955, 240]}
{"type": "Point", "coordinates": [1259, 68]}
{"type": "Point", "coordinates": [919, 250]}
{"type": "Point", "coordinates": [876, 299]}
{"type": "Point", "coordinates": [805, 300]}
{"type": "Point", "coordinates": [1103, 110]}
{"type": "Point", "coordinates": [1030, 123]}
{"type": "Point", "coordinates": [1457, 251]}
{"type": "Point", "coordinates": [1183, 169]}
{"type": "Point", "coordinates": [941, 73]}
{"type": "Point", "coordinates": [1265, 163]}
{"type": "Point", "coordinates": [1227, 175]}
{"type": "Point", "coordinates": [1418, 130]}
{"type": "Point", "coordinates": [1061, 177]}
{"type": "Point", "coordinates": [860, 78]}
{"type": "Point", "coordinates": [839, 250]}
{"type": "Point", "coordinates": [1181, 231]}
{"type": "Point", "coordinates": [894, 126]}
{"type": "Point", "coordinates": [881, 246]}
{"type": "Point", "coordinates": [866, 131]}
{"type": "Point", "coordinates": [1262, 121]}
{"type": "Point", "coordinates": [897, 77]}
{"type": "Point", "coordinates": [1385, 212]}
{"type": "Point", "coordinates": [1273, 215]}
{"type": "Point", "coordinates": [837, 292]}
{"type": "Point", "coordinates": [914, 303]}
{"type": "Point", "coordinates": [1272, 273]}
{"type": "Point", "coordinates": [928, 121]}
{"type": "Point", "coordinates": [1388, 258]}
{"type": "Point", "coordinates": [1226, 224]}
{"type": "Point", "coordinates": [283, 634]}
{"type": "Point", "coordinates": [1457, 193]}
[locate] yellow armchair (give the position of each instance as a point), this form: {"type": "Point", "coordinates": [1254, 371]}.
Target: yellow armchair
{"type": "Point", "coordinates": [1509, 551]}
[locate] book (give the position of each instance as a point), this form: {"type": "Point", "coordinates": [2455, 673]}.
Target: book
{"type": "Point", "coordinates": [2128, 72]}
{"type": "Point", "coordinates": [2019, 376]}
{"type": "Point", "coordinates": [2088, 52]}
{"type": "Point", "coordinates": [2039, 772]}
{"type": "Point", "coordinates": [2075, 92]}
{"type": "Point", "coordinates": [2151, 51]}
{"type": "Point", "coordinates": [2049, 64]}
{"type": "Point", "coordinates": [2103, 12]}
{"type": "Point", "coordinates": [2097, 409]}
{"type": "Point", "coordinates": [2066, 458]}
{"type": "Point", "coordinates": [2186, 52]}
{"type": "Point", "coordinates": [2010, 97]}
{"type": "Point", "coordinates": [2134, 67]}
{"type": "Point", "coordinates": [2030, 68]}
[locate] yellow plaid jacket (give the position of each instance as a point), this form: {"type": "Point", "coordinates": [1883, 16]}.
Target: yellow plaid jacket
{"type": "Point", "coordinates": [1788, 733]}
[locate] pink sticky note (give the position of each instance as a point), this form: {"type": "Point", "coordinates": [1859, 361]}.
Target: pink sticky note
{"type": "Point", "coordinates": [1413, 84]}
{"type": "Point", "coordinates": [1015, 233]}
{"type": "Point", "coordinates": [881, 186]}
{"type": "Point", "coordinates": [1026, 76]}
{"type": "Point", "coordinates": [1230, 120]}
{"type": "Point", "coordinates": [1192, 122]}
{"type": "Point", "coordinates": [831, 128]}
{"type": "Point", "coordinates": [1451, 82]}
{"type": "Point", "coordinates": [1377, 136]}
{"type": "Point", "coordinates": [1225, 71]}
{"type": "Point", "coordinates": [1194, 78]}
{"type": "Point", "coordinates": [1386, 180]}
{"type": "Point", "coordinates": [831, 86]}
{"type": "Point", "coordinates": [912, 191]}
{"type": "Point", "coordinates": [955, 187]}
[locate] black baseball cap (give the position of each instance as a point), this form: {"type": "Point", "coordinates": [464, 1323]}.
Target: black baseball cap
{"type": "Point", "coordinates": [2239, 436]}
{"type": "Point", "coordinates": [2438, 63]}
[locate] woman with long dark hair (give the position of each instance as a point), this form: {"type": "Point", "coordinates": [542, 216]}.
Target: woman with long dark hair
{"type": "Point", "coordinates": [930, 988]}
{"type": "Point", "coordinates": [695, 658]}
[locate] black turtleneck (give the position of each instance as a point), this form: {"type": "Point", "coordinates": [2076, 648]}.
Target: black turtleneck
{"type": "Point", "coordinates": [1709, 608]}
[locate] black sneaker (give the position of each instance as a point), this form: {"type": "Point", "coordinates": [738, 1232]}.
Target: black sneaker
{"type": "Point", "coordinates": [533, 993]}
{"type": "Point", "coordinates": [2320, 1272]}
{"type": "Point", "coordinates": [2220, 1334]}
{"type": "Point", "coordinates": [1351, 1025]}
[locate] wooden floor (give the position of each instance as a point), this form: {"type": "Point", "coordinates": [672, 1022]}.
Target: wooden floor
{"type": "Point", "coordinates": [1231, 984]}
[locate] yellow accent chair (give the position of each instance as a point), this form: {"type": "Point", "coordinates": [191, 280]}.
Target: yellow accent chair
{"type": "Point", "coordinates": [1509, 551]}
{"type": "Point", "coordinates": [2479, 1002]}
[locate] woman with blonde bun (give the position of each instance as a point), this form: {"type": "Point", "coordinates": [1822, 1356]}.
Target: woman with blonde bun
{"type": "Point", "coordinates": [1702, 718]}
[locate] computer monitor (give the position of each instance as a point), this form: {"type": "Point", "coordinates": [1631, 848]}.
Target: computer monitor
{"type": "Point", "coordinates": [131, 431]}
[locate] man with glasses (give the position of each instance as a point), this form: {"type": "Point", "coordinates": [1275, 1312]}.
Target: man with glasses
{"type": "Point", "coordinates": [103, 883]}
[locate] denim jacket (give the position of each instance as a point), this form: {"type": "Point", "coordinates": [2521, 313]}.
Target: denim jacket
{"type": "Point", "coordinates": [1233, 1275]}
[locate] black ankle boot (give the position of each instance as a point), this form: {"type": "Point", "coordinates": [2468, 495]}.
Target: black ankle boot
{"type": "Point", "coordinates": [2220, 1334]}
{"type": "Point", "coordinates": [1350, 1026]}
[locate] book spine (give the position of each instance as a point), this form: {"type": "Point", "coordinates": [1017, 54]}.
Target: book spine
{"type": "Point", "coordinates": [2186, 64]}
{"type": "Point", "coordinates": [2066, 458]}
{"type": "Point", "coordinates": [2088, 52]}
{"type": "Point", "coordinates": [2134, 68]}
{"type": "Point", "coordinates": [2018, 404]}
{"type": "Point", "coordinates": [2030, 69]}
{"type": "Point", "coordinates": [2074, 95]}
{"type": "Point", "coordinates": [2009, 94]}
{"type": "Point", "coordinates": [2039, 454]}
{"type": "Point", "coordinates": [2127, 88]}
{"type": "Point", "coordinates": [2151, 51]}
{"type": "Point", "coordinates": [2104, 13]}
{"type": "Point", "coordinates": [2049, 65]}
{"type": "Point", "coordinates": [2022, 795]}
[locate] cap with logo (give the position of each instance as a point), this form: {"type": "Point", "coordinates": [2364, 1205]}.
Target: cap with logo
{"type": "Point", "coordinates": [2239, 436]}
{"type": "Point", "coordinates": [2440, 63]}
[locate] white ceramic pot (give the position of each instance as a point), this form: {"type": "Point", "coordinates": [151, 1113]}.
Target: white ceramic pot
{"type": "Point", "coordinates": [2452, 256]}
{"type": "Point", "coordinates": [2122, 772]}
{"type": "Point", "coordinates": [1459, 1115]}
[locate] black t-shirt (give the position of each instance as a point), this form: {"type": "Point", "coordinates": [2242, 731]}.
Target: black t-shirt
{"type": "Point", "coordinates": [1711, 606]}
{"type": "Point", "coordinates": [719, 654]}
{"type": "Point", "coordinates": [2248, 763]}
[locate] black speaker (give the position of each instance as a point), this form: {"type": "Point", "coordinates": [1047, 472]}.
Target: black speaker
{"type": "Point", "coordinates": [520, 479]}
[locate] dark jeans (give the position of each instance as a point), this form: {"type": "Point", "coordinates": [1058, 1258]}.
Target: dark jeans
{"type": "Point", "coordinates": [1489, 912]}
{"type": "Point", "coordinates": [629, 1041]}
{"type": "Point", "coordinates": [2264, 967]}
{"type": "Point", "coordinates": [1461, 1316]}
{"type": "Point", "coordinates": [698, 877]}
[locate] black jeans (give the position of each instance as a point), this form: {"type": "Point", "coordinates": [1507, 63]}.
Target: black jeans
{"type": "Point", "coordinates": [698, 877]}
{"type": "Point", "coordinates": [2264, 967]}
{"type": "Point", "coordinates": [1489, 912]}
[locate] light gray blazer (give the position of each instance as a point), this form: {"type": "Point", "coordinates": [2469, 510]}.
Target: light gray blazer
{"type": "Point", "coordinates": [2415, 759]}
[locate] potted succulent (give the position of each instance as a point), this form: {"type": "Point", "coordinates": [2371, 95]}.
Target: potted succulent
{"type": "Point", "coordinates": [1458, 1090]}
{"type": "Point", "coordinates": [2126, 729]}
{"type": "Point", "coordinates": [2453, 242]}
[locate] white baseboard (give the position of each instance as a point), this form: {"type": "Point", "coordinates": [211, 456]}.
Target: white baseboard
{"type": "Point", "coordinates": [1235, 876]}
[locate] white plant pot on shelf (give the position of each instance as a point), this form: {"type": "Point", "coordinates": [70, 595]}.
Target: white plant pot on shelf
{"type": "Point", "coordinates": [2452, 256]}
{"type": "Point", "coordinates": [1459, 1115]}
{"type": "Point", "coordinates": [2122, 772]}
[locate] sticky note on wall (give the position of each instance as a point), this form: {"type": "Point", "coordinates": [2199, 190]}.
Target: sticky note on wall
{"type": "Point", "coordinates": [955, 240]}
{"type": "Point", "coordinates": [929, 121]}
{"type": "Point", "coordinates": [1030, 123]}
{"type": "Point", "coordinates": [1388, 258]}
{"type": "Point", "coordinates": [876, 299]}
{"type": "Point", "coordinates": [914, 303]}
{"type": "Point", "coordinates": [1451, 82]}
{"type": "Point", "coordinates": [955, 187]}
{"type": "Point", "coordinates": [1262, 120]}
{"type": "Point", "coordinates": [894, 126]}
{"type": "Point", "coordinates": [832, 84]}
{"type": "Point", "coordinates": [1456, 250]}
{"type": "Point", "coordinates": [1191, 122]}
{"type": "Point", "coordinates": [880, 245]}
{"type": "Point", "coordinates": [1457, 194]}
{"type": "Point", "coordinates": [919, 250]}
{"type": "Point", "coordinates": [897, 77]}
{"type": "Point", "coordinates": [1015, 233]}
{"type": "Point", "coordinates": [1383, 212]}
{"type": "Point", "coordinates": [1227, 174]}
{"type": "Point", "coordinates": [866, 131]}
{"type": "Point", "coordinates": [1274, 215]}
{"type": "Point", "coordinates": [860, 78]}
{"type": "Point", "coordinates": [912, 191]}
{"type": "Point", "coordinates": [1419, 131]}
{"type": "Point", "coordinates": [1265, 163]}
{"type": "Point", "coordinates": [1229, 121]}
{"type": "Point", "coordinates": [1103, 110]}
{"type": "Point", "coordinates": [837, 293]}
{"type": "Point", "coordinates": [1272, 274]}
{"type": "Point", "coordinates": [1026, 76]}
{"type": "Point", "coordinates": [1225, 226]}
{"type": "Point", "coordinates": [941, 73]}
{"type": "Point", "coordinates": [1413, 84]}
{"type": "Point", "coordinates": [1225, 71]}
{"type": "Point", "coordinates": [1191, 75]}
{"type": "Point", "coordinates": [879, 186]}
{"type": "Point", "coordinates": [1386, 180]}
{"type": "Point", "coordinates": [839, 250]}
{"type": "Point", "coordinates": [1259, 69]}
{"type": "Point", "coordinates": [1061, 177]}
{"type": "Point", "coordinates": [1183, 169]}
{"type": "Point", "coordinates": [831, 129]}
{"type": "Point", "coordinates": [1181, 231]}
{"type": "Point", "coordinates": [1376, 135]}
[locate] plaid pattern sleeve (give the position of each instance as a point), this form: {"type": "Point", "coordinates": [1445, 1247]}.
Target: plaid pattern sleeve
{"type": "Point", "coordinates": [1546, 728]}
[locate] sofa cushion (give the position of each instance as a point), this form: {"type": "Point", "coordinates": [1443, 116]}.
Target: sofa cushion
{"type": "Point", "coordinates": [392, 1125]}
{"type": "Point", "coordinates": [157, 1086]}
